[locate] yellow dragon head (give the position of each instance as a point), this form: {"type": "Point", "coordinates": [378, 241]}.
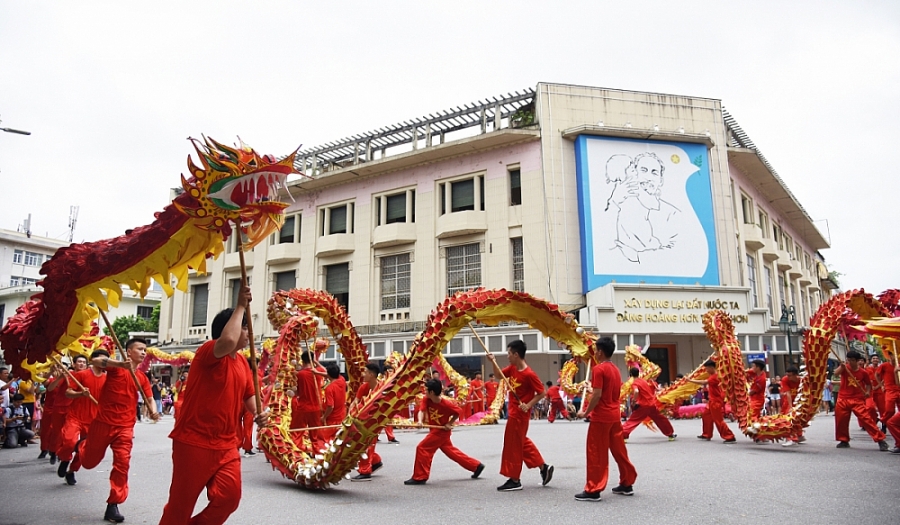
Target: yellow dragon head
{"type": "Point", "coordinates": [236, 185]}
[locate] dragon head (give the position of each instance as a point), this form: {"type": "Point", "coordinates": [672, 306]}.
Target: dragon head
{"type": "Point", "coordinates": [236, 185]}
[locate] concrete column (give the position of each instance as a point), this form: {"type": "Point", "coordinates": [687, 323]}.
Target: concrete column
{"type": "Point", "coordinates": [447, 200]}
{"type": "Point", "coordinates": [477, 189]}
{"type": "Point", "coordinates": [409, 205]}
{"type": "Point", "coordinates": [326, 222]}
{"type": "Point", "coordinates": [428, 135]}
{"type": "Point", "coordinates": [349, 217]}
{"type": "Point", "coordinates": [382, 219]}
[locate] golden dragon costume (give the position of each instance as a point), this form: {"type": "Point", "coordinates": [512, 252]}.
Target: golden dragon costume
{"type": "Point", "coordinates": [232, 185]}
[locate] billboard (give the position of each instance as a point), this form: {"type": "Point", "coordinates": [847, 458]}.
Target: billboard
{"type": "Point", "coordinates": [645, 212]}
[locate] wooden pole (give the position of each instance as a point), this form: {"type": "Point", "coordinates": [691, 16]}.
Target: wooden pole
{"type": "Point", "coordinates": [115, 339]}
{"type": "Point", "coordinates": [256, 394]}
{"type": "Point", "coordinates": [488, 352]}
{"type": "Point", "coordinates": [72, 377]}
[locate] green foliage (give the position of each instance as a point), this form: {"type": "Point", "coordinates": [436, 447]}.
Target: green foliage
{"type": "Point", "coordinates": [131, 323]}
{"type": "Point", "coordinates": [833, 276]}
{"type": "Point", "coordinates": [154, 319]}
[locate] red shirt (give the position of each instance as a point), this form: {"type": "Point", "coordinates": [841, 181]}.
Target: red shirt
{"type": "Point", "coordinates": [82, 408]}
{"type": "Point", "coordinates": [526, 384]}
{"type": "Point", "coordinates": [646, 392]}
{"type": "Point", "coordinates": [212, 408]}
{"type": "Point", "coordinates": [888, 377]}
{"type": "Point", "coordinates": [307, 398]}
{"type": "Point", "coordinates": [758, 385]}
{"type": "Point", "coordinates": [553, 393]}
{"type": "Point", "coordinates": [606, 380]}
{"type": "Point", "coordinates": [849, 391]}
{"type": "Point", "coordinates": [475, 389]}
{"type": "Point", "coordinates": [54, 398]}
{"type": "Point", "coordinates": [790, 387]}
{"type": "Point", "coordinates": [119, 399]}
{"type": "Point", "coordinates": [439, 413]}
{"type": "Point", "coordinates": [491, 389]}
{"type": "Point", "coordinates": [873, 371]}
{"type": "Point", "coordinates": [336, 397]}
{"type": "Point", "coordinates": [714, 388]}
{"type": "Point", "coordinates": [363, 391]}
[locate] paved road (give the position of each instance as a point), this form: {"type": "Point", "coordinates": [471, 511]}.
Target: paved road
{"type": "Point", "coordinates": [686, 481]}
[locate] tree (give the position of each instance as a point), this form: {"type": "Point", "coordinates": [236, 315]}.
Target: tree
{"type": "Point", "coordinates": [131, 323]}
{"type": "Point", "coordinates": [154, 319]}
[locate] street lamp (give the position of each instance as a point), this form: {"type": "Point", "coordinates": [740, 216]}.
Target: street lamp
{"type": "Point", "coordinates": [788, 325]}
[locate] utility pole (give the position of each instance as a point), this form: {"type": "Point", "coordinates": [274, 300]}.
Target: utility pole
{"type": "Point", "coordinates": [73, 218]}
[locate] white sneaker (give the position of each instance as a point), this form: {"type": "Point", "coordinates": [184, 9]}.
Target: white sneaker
{"type": "Point", "coordinates": [789, 443]}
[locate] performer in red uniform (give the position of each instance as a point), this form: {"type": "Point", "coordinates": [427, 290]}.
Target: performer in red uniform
{"type": "Point", "coordinates": [887, 374]}
{"type": "Point", "coordinates": [442, 412]}
{"type": "Point", "coordinates": [306, 406]}
{"type": "Point", "coordinates": [388, 429]}
{"type": "Point", "coordinates": [644, 406]}
{"type": "Point", "coordinates": [875, 403]}
{"type": "Point", "coordinates": [180, 389]}
{"type": "Point", "coordinates": [335, 401]}
{"type": "Point", "coordinates": [605, 431]}
{"type": "Point", "coordinates": [556, 403]}
{"type": "Point", "coordinates": [855, 387]}
{"type": "Point", "coordinates": [476, 394]}
{"type": "Point", "coordinates": [372, 461]}
{"type": "Point", "coordinates": [517, 447]}
{"type": "Point", "coordinates": [490, 390]}
{"type": "Point", "coordinates": [715, 408]}
{"type": "Point", "coordinates": [790, 388]}
{"type": "Point", "coordinates": [54, 414]}
{"type": "Point", "coordinates": [756, 376]}
{"type": "Point", "coordinates": [82, 410]}
{"type": "Point", "coordinates": [114, 426]}
{"type": "Point", "coordinates": [206, 436]}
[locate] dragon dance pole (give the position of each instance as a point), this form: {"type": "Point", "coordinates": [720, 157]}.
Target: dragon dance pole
{"type": "Point", "coordinates": [72, 378]}
{"type": "Point", "coordinates": [112, 333]}
{"type": "Point", "coordinates": [256, 395]}
{"type": "Point", "coordinates": [488, 352]}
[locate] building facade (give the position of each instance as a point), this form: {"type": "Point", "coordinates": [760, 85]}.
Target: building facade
{"type": "Point", "coordinates": [635, 211]}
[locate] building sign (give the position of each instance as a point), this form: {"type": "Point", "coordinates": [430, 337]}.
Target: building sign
{"type": "Point", "coordinates": [646, 212]}
{"type": "Point", "coordinates": [677, 311]}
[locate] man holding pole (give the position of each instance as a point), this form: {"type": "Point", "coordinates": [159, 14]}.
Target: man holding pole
{"type": "Point", "coordinates": [206, 436]}
{"type": "Point", "coordinates": [306, 406]}
{"type": "Point", "coordinates": [83, 385]}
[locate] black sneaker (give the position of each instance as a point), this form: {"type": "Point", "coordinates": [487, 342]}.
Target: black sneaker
{"type": "Point", "coordinates": [70, 478]}
{"type": "Point", "coordinates": [62, 469]}
{"type": "Point", "coordinates": [113, 514]}
{"type": "Point", "coordinates": [588, 496]}
{"type": "Point", "coordinates": [377, 466]}
{"type": "Point", "coordinates": [52, 458]}
{"type": "Point", "coordinates": [623, 490]}
{"type": "Point", "coordinates": [249, 453]}
{"type": "Point", "coordinates": [42, 455]}
{"type": "Point", "coordinates": [704, 438]}
{"type": "Point", "coordinates": [478, 470]}
{"type": "Point", "coordinates": [411, 481]}
{"type": "Point", "coordinates": [394, 441]}
{"type": "Point", "coordinates": [510, 486]}
{"type": "Point", "coordinates": [546, 474]}
{"type": "Point", "coordinates": [843, 444]}
{"type": "Point", "coordinates": [362, 477]}
{"type": "Point", "coordinates": [730, 441]}
{"type": "Point", "coordinates": [883, 446]}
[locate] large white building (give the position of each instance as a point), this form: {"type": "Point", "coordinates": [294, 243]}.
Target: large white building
{"type": "Point", "coordinates": [636, 211]}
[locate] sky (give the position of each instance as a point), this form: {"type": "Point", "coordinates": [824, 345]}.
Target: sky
{"type": "Point", "coordinates": [111, 91]}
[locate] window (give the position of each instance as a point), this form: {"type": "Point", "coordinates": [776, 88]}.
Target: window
{"type": "Point", "coordinates": [2, 314]}
{"type": "Point", "coordinates": [463, 267]}
{"type": "Point", "coordinates": [751, 276]}
{"type": "Point", "coordinates": [399, 346]}
{"type": "Point", "coordinates": [747, 206]}
{"type": "Point", "coordinates": [235, 286]}
{"type": "Point", "coordinates": [462, 195]}
{"type": "Point", "coordinates": [518, 265]}
{"type": "Point", "coordinates": [199, 302]}
{"type": "Point", "coordinates": [336, 219]}
{"type": "Point", "coordinates": [777, 237]}
{"type": "Point", "coordinates": [285, 280]}
{"type": "Point", "coordinates": [764, 224]}
{"type": "Point", "coordinates": [455, 346]}
{"type": "Point", "coordinates": [799, 253]}
{"type": "Point", "coordinates": [781, 287]}
{"type": "Point", "coordinates": [145, 312]}
{"type": "Point", "coordinates": [290, 232]}
{"type": "Point", "coordinates": [807, 261]}
{"type": "Point", "coordinates": [376, 350]}
{"type": "Point", "coordinates": [794, 297]}
{"type": "Point", "coordinates": [18, 256]}
{"type": "Point", "coordinates": [29, 259]}
{"type": "Point", "coordinates": [515, 187]}
{"type": "Point", "coordinates": [769, 304]}
{"type": "Point", "coordinates": [395, 285]}
{"type": "Point", "coordinates": [399, 207]}
{"type": "Point", "coordinates": [789, 245]}
{"type": "Point", "coordinates": [21, 281]}
{"type": "Point", "coordinates": [337, 282]}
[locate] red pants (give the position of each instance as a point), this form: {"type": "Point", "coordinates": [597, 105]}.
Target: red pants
{"type": "Point", "coordinates": [434, 441]}
{"type": "Point", "coordinates": [71, 431]}
{"type": "Point", "coordinates": [194, 468]}
{"type": "Point", "coordinates": [305, 420]}
{"type": "Point", "coordinates": [517, 448]}
{"type": "Point", "coordinates": [603, 439]}
{"type": "Point", "coordinates": [891, 404]}
{"type": "Point", "coordinates": [557, 406]}
{"type": "Point", "coordinates": [756, 407]}
{"type": "Point", "coordinates": [329, 433]}
{"type": "Point", "coordinates": [372, 458]}
{"type": "Point", "coordinates": [100, 437]}
{"type": "Point", "coordinates": [846, 406]}
{"type": "Point", "coordinates": [51, 433]}
{"type": "Point", "coordinates": [893, 426]}
{"type": "Point", "coordinates": [715, 415]}
{"type": "Point", "coordinates": [389, 432]}
{"type": "Point", "coordinates": [247, 429]}
{"type": "Point", "coordinates": [643, 413]}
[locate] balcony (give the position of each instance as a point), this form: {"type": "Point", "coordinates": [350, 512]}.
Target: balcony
{"type": "Point", "coordinates": [794, 271]}
{"type": "Point", "coordinates": [769, 250]}
{"type": "Point", "coordinates": [284, 253]}
{"type": "Point", "coordinates": [806, 278]}
{"type": "Point", "coordinates": [752, 236]}
{"type": "Point", "coordinates": [394, 234]}
{"type": "Point", "coordinates": [461, 223]}
{"type": "Point", "coordinates": [233, 260]}
{"type": "Point", "coordinates": [335, 244]}
{"type": "Point", "coordinates": [784, 260]}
